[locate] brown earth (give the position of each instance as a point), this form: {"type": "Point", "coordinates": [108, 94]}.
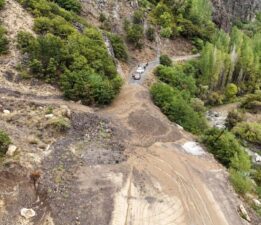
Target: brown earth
{"type": "Point", "coordinates": [123, 164]}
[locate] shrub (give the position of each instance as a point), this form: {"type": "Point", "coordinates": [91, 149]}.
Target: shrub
{"type": "Point", "coordinates": [215, 98]}
{"type": "Point", "coordinates": [165, 60]}
{"type": "Point", "coordinates": [119, 48]}
{"type": "Point", "coordinates": [60, 124]}
{"type": "Point", "coordinates": [135, 35]}
{"type": "Point", "coordinates": [166, 32]}
{"type": "Point", "coordinates": [233, 118]}
{"type": "Point", "coordinates": [175, 77]}
{"type": "Point", "coordinates": [2, 4]}
{"type": "Point", "coordinates": [252, 102]}
{"type": "Point", "coordinates": [248, 131]}
{"type": "Point", "coordinates": [177, 108]}
{"type": "Point", "coordinates": [3, 41]}
{"type": "Point", "coordinates": [138, 17]}
{"type": "Point", "coordinates": [231, 91]}
{"type": "Point", "coordinates": [223, 145]}
{"type": "Point", "coordinates": [5, 141]}
{"type": "Point", "coordinates": [240, 182]}
{"type": "Point", "coordinates": [198, 105]}
{"type": "Point", "coordinates": [150, 34]}
{"type": "Point", "coordinates": [71, 5]}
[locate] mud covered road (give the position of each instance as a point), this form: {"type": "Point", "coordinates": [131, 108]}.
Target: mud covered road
{"type": "Point", "coordinates": [121, 165]}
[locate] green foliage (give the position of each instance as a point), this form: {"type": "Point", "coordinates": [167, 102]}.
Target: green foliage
{"type": "Point", "coordinates": [138, 17]}
{"type": "Point", "coordinates": [135, 35]}
{"type": "Point", "coordinates": [175, 77]}
{"type": "Point", "coordinates": [165, 60]}
{"type": "Point", "coordinates": [60, 124]}
{"type": "Point", "coordinates": [248, 131]}
{"type": "Point", "coordinates": [252, 102]}
{"type": "Point", "coordinates": [78, 61]}
{"type": "Point", "coordinates": [177, 108]}
{"type": "Point", "coordinates": [233, 118]}
{"type": "Point", "coordinates": [231, 91]}
{"type": "Point", "coordinates": [240, 182]}
{"type": "Point", "coordinates": [150, 34]}
{"type": "Point", "coordinates": [119, 48]}
{"type": "Point", "coordinates": [57, 26]}
{"type": "Point", "coordinates": [198, 105]}
{"type": "Point", "coordinates": [5, 141]}
{"type": "Point", "coordinates": [71, 5]}
{"type": "Point", "coordinates": [223, 145]}
{"type": "Point", "coordinates": [2, 4]}
{"type": "Point", "coordinates": [3, 41]}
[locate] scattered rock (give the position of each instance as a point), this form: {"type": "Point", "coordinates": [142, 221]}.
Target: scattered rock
{"type": "Point", "coordinates": [6, 111]}
{"type": "Point", "coordinates": [257, 202]}
{"type": "Point", "coordinates": [257, 157]}
{"type": "Point", "coordinates": [66, 111]}
{"type": "Point", "coordinates": [11, 150]}
{"type": "Point", "coordinates": [27, 213]}
{"type": "Point", "coordinates": [244, 213]}
{"type": "Point", "coordinates": [49, 116]}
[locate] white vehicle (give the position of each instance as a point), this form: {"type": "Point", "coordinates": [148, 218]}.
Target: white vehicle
{"type": "Point", "coordinates": [140, 70]}
{"type": "Point", "coordinates": [137, 76]}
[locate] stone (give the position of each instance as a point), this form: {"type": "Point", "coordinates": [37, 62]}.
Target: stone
{"type": "Point", "coordinates": [11, 150]}
{"type": "Point", "coordinates": [244, 213]}
{"type": "Point", "coordinates": [6, 111]}
{"type": "Point", "coordinates": [257, 202]}
{"type": "Point", "coordinates": [27, 213]}
{"type": "Point", "coordinates": [49, 116]}
{"type": "Point", "coordinates": [66, 111]}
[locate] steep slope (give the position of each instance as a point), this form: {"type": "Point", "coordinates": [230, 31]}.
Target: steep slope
{"type": "Point", "coordinates": [227, 12]}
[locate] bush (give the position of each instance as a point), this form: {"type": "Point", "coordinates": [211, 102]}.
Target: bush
{"type": "Point", "coordinates": [175, 77]}
{"type": "Point", "coordinates": [165, 60]}
{"type": "Point", "coordinates": [248, 131]}
{"type": "Point", "coordinates": [5, 141]}
{"type": "Point", "coordinates": [150, 34]}
{"type": "Point", "coordinates": [240, 182]}
{"type": "Point", "coordinates": [215, 98]}
{"type": "Point", "coordinates": [231, 91]}
{"type": "Point", "coordinates": [2, 4]}
{"type": "Point", "coordinates": [135, 35]}
{"type": "Point", "coordinates": [198, 105]}
{"type": "Point", "coordinates": [3, 41]}
{"type": "Point", "coordinates": [233, 118]}
{"type": "Point", "coordinates": [71, 5]}
{"type": "Point", "coordinates": [89, 87]}
{"type": "Point", "coordinates": [119, 48]}
{"type": "Point", "coordinates": [252, 102]}
{"type": "Point", "coordinates": [177, 108]}
{"type": "Point", "coordinates": [60, 124]}
{"type": "Point", "coordinates": [138, 17]}
{"type": "Point", "coordinates": [223, 145]}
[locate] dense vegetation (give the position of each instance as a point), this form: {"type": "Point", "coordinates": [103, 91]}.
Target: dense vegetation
{"type": "Point", "coordinates": [3, 38]}
{"type": "Point", "coordinates": [5, 141]}
{"type": "Point", "coordinates": [75, 57]}
{"type": "Point", "coordinates": [175, 97]}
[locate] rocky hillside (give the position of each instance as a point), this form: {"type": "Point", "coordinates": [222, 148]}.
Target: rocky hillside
{"type": "Point", "coordinates": [228, 11]}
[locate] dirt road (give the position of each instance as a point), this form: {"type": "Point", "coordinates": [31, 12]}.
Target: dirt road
{"type": "Point", "coordinates": [166, 185]}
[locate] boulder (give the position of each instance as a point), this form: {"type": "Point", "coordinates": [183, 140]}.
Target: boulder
{"type": "Point", "coordinates": [244, 213]}
{"type": "Point", "coordinates": [11, 150]}
{"type": "Point", "coordinates": [27, 213]}
{"type": "Point", "coordinates": [48, 116]}
{"type": "Point", "coordinates": [6, 111]}
{"type": "Point", "coordinates": [257, 202]}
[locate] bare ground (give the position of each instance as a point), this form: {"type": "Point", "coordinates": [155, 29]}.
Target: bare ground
{"type": "Point", "coordinates": [120, 165]}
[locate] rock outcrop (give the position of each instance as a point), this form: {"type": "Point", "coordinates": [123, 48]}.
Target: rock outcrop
{"type": "Point", "coordinates": [228, 11]}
